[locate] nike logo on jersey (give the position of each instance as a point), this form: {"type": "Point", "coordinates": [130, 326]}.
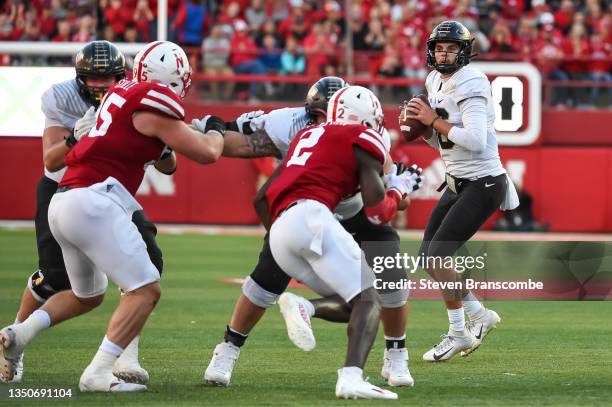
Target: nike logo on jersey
{"type": "Point", "coordinates": [489, 185]}
{"type": "Point", "coordinates": [479, 333]}
{"type": "Point", "coordinates": [440, 356]}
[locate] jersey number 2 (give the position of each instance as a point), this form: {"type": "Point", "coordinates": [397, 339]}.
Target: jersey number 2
{"type": "Point", "coordinates": [106, 115]}
{"type": "Point", "coordinates": [309, 139]}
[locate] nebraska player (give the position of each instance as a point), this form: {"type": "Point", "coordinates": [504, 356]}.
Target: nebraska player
{"type": "Point", "coordinates": [90, 216]}
{"type": "Point", "coordinates": [326, 163]}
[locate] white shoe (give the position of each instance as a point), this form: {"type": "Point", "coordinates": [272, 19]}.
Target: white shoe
{"type": "Point", "coordinates": [395, 368]}
{"type": "Point", "coordinates": [18, 370]}
{"type": "Point", "coordinates": [106, 382]}
{"type": "Point", "coordinates": [130, 372]}
{"type": "Point", "coordinates": [479, 328]}
{"type": "Point", "coordinates": [297, 320]}
{"type": "Point", "coordinates": [11, 358]}
{"type": "Point", "coordinates": [351, 385]}
{"type": "Point", "coordinates": [449, 346]}
{"type": "Point", "coordinates": [221, 366]}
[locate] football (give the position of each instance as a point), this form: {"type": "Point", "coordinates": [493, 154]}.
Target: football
{"type": "Point", "coordinates": [411, 128]}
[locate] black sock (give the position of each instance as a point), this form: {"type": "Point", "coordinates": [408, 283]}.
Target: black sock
{"type": "Point", "coordinates": [234, 337]}
{"type": "Point", "coordinates": [396, 343]}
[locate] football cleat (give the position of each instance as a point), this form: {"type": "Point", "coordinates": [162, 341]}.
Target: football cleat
{"type": "Point", "coordinates": [127, 367]}
{"type": "Point", "coordinates": [11, 357]}
{"type": "Point", "coordinates": [297, 321]}
{"type": "Point", "coordinates": [18, 370]}
{"type": "Point", "coordinates": [106, 382]}
{"type": "Point", "coordinates": [479, 328]}
{"type": "Point", "coordinates": [395, 368]}
{"type": "Point", "coordinates": [221, 366]}
{"type": "Point", "coordinates": [130, 372]}
{"type": "Point", "coordinates": [351, 385]}
{"type": "Point", "coordinates": [449, 346]}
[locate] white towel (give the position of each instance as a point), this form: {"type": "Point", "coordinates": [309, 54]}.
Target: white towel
{"type": "Point", "coordinates": [511, 200]}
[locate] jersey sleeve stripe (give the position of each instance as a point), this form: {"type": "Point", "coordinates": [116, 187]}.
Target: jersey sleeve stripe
{"type": "Point", "coordinates": [376, 143]}
{"type": "Point", "coordinates": [167, 99]}
{"type": "Point", "coordinates": [376, 135]}
{"type": "Point", "coordinates": [161, 107]}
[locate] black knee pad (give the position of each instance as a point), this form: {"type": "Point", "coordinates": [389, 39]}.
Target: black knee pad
{"type": "Point", "coordinates": [148, 231]}
{"type": "Point", "coordinates": [44, 284]}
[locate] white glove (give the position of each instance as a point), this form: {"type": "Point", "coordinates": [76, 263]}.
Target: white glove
{"type": "Point", "coordinates": [245, 120]}
{"type": "Point", "coordinates": [406, 182]}
{"type": "Point", "coordinates": [200, 124]}
{"type": "Point", "coordinates": [85, 123]}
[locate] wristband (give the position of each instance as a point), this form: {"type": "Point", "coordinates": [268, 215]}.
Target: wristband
{"type": "Point", "coordinates": [433, 121]}
{"type": "Point", "coordinates": [215, 123]}
{"type": "Point", "coordinates": [70, 140]}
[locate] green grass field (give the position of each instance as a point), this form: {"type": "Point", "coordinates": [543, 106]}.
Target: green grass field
{"type": "Point", "coordinates": [543, 353]}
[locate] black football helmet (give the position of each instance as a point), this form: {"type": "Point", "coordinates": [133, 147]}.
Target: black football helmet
{"type": "Point", "coordinates": [450, 31]}
{"type": "Point", "coordinates": [98, 59]}
{"type": "Point", "coordinates": [320, 93]}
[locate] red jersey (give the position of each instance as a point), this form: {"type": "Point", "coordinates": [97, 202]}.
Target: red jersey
{"type": "Point", "coordinates": [321, 165]}
{"type": "Point", "coordinates": [114, 148]}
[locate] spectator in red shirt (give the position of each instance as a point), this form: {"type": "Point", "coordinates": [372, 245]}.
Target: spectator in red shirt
{"type": "Point", "coordinates": [143, 19]}
{"type": "Point", "coordinates": [47, 23]}
{"type": "Point", "coordinates": [576, 48]}
{"type": "Point", "coordinates": [319, 51]}
{"type": "Point", "coordinates": [297, 18]}
{"type": "Point", "coordinates": [86, 30]}
{"type": "Point", "coordinates": [413, 59]}
{"type": "Point", "coordinates": [526, 37]}
{"type": "Point", "coordinates": [549, 56]}
{"type": "Point", "coordinates": [600, 68]}
{"type": "Point", "coordinates": [244, 57]}
{"type": "Point", "coordinates": [118, 16]}
{"type": "Point", "coordinates": [565, 15]}
{"type": "Point", "coordinates": [501, 40]}
{"type": "Point", "coordinates": [63, 32]}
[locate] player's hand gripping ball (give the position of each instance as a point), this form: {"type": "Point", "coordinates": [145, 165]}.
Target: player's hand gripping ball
{"type": "Point", "coordinates": [410, 127]}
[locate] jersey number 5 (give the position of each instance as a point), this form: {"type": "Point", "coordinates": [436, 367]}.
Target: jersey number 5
{"type": "Point", "coordinates": [308, 139]}
{"type": "Point", "coordinates": [111, 103]}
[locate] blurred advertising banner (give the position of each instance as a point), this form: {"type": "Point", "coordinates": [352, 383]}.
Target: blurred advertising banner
{"type": "Point", "coordinates": [21, 89]}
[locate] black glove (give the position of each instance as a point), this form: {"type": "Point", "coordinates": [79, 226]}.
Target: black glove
{"type": "Point", "coordinates": [414, 169]}
{"type": "Point", "coordinates": [215, 123]}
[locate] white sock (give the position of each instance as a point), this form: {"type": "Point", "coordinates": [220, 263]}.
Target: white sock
{"type": "Point", "coordinates": [110, 347]}
{"type": "Point", "coordinates": [473, 307]}
{"type": "Point", "coordinates": [102, 362]}
{"type": "Point", "coordinates": [352, 371]}
{"type": "Point", "coordinates": [456, 320]}
{"type": "Point", "coordinates": [309, 307]}
{"type": "Point", "coordinates": [38, 321]}
{"type": "Point", "coordinates": [17, 321]}
{"type": "Point", "coordinates": [130, 354]}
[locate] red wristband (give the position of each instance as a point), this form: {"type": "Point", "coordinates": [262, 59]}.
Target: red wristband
{"type": "Point", "coordinates": [384, 210]}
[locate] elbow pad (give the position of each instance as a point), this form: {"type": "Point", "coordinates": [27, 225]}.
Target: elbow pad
{"type": "Point", "coordinates": [384, 210]}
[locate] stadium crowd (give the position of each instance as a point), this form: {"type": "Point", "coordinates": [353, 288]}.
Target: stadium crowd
{"type": "Point", "coordinates": [566, 40]}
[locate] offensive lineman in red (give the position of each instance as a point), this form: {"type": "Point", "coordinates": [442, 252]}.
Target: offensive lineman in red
{"type": "Point", "coordinates": [326, 163]}
{"type": "Point", "coordinates": [90, 215]}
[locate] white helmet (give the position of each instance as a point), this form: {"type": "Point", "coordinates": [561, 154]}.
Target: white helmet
{"type": "Point", "coordinates": [357, 105]}
{"type": "Point", "coordinates": [165, 62]}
